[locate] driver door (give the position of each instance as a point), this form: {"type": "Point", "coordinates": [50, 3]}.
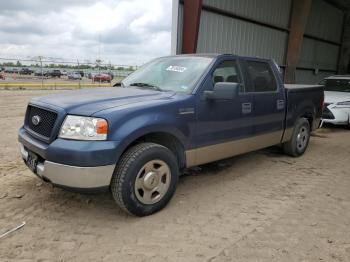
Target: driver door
{"type": "Point", "coordinates": [221, 122]}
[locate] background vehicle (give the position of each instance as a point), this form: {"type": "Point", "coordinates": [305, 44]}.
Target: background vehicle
{"type": "Point", "coordinates": [337, 100]}
{"type": "Point", "coordinates": [102, 78]}
{"type": "Point", "coordinates": [25, 71]}
{"type": "Point", "coordinates": [9, 70]}
{"type": "Point", "coordinates": [81, 73]}
{"type": "Point", "coordinates": [40, 72]}
{"type": "Point", "coordinates": [91, 75]}
{"type": "Point", "coordinates": [173, 113]}
{"type": "Point", "coordinates": [54, 73]}
{"type": "Point", "coordinates": [110, 74]}
{"type": "Point", "coordinates": [74, 76]}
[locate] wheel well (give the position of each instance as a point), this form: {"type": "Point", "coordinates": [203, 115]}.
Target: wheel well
{"type": "Point", "coordinates": [167, 140]}
{"type": "Point", "coordinates": [310, 118]}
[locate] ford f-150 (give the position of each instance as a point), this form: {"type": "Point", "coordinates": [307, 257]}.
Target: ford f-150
{"type": "Point", "coordinates": [173, 113]}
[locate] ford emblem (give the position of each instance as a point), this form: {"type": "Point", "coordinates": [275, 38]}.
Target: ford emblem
{"type": "Point", "coordinates": [36, 120]}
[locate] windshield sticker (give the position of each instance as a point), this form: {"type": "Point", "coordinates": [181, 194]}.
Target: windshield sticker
{"type": "Point", "coordinates": [179, 69]}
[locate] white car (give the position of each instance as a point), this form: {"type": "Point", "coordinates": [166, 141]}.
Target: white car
{"type": "Point", "coordinates": [74, 76]}
{"type": "Point", "coordinates": [337, 100]}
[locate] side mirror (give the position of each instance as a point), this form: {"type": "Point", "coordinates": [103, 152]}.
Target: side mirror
{"type": "Point", "coordinates": [223, 91]}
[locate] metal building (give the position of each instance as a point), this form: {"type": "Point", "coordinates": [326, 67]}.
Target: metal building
{"type": "Point", "coordinates": [309, 39]}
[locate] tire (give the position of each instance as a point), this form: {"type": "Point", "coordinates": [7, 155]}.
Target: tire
{"type": "Point", "coordinates": [300, 139]}
{"type": "Point", "coordinates": [145, 179]}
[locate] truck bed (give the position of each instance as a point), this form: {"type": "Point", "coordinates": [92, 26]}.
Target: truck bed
{"type": "Point", "coordinates": [304, 96]}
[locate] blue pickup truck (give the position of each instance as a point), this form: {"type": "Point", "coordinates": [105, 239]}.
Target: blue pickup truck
{"type": "Point", "coordinates": [173, 113]}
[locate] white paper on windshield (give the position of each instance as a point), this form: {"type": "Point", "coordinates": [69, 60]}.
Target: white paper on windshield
{"type": "Point", "coordinates": [179, 69]}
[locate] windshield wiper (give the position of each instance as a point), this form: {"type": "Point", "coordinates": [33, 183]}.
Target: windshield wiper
{"type": "Point", "coordinates": [146, 86]}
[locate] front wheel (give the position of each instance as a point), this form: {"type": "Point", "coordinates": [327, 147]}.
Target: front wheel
{"type": "Point", "coordinates": [145, 179]}
{"type": "Point", "coordinates": [300, 139]}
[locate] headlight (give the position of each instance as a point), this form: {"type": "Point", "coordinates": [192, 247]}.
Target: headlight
{"type": "Point", "coordinates": [345, 103]}
{"type": "Point", "coordinates": [84, 128]}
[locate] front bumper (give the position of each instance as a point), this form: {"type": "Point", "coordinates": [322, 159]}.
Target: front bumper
{"type": "Point", "coordinates": [86, 165]}
{"type": "Point", "coordinates": [74, 177]}
{"type": "Point", "coordinates": [337, 115]}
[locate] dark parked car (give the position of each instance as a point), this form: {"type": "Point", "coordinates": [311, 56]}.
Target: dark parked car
{"type": "Point", "coordinates": [55, 73]}
{"type": "Point", "coordinates": [25, 71]}
{"type": "Point", "coordinates": [173, 113]}
{"type": "Point", "coordinates": [40, 72]}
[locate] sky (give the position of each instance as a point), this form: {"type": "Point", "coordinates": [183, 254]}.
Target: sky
{"type": "Point", "coordinates": [123, 32]}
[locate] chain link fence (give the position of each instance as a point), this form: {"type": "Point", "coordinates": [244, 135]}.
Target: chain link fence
{"type": "Point", "coordinates": [45, 72]}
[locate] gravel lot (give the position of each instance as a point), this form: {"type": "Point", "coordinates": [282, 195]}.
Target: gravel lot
{"type": "Point", "coordinates": [261, 206]}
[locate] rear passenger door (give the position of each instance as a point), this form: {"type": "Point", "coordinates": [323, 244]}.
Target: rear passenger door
{"type": "Point", "coordinates": [268, 99]}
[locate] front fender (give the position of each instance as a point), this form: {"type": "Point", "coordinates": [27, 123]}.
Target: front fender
{"type": "Point", "coordinates": [135, 127]}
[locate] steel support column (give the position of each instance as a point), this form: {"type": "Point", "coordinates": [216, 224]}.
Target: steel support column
{"type": "Point", "coordinates": [344, 52]}
{"type": "Point", "coordinates": [299, 16]}
{"type": "Point", "coordinates": [191, 19]}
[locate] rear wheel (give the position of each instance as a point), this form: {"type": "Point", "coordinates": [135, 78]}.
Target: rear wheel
{"type": "Point", "coordinates": [145, 179]}
{"type": "Point", "coordinates": [300, 139]}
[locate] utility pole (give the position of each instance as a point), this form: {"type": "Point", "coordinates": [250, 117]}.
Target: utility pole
{"type": "Point", "coordinates": [42, 73]}
{"type": "Point", "coordinates": [79, 73]}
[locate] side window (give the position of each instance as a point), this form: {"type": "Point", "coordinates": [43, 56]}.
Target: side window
{"type": "Point", "coordinates": [261, 76]}
{"type": "Point", "coordinates": [227, 71]}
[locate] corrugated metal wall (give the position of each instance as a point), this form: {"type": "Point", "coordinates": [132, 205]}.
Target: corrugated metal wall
{"type": "Point", "coordinates": [325, 22]}
{"type": "Point", "coordinates": [257, 9]}
{"type": "Point", "coordinates": [317, 54]}
{"type": "Point", "coordinates": [310, 77]}
{"type": "Point", "coordinates": [221, 34]}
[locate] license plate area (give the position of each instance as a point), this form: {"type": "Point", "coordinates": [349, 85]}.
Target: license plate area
{"type": "Point", "coordinates": [32, 161]}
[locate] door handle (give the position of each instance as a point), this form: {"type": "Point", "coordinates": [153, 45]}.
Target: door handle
{"type": "Point", "coordinates": [246, 108]}
{"type": "Point", "coordinates": [280, 104]}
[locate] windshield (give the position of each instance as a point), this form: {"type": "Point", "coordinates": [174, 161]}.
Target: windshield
{"type": "Point", "coordinates": [338, 85]}
{"type": "Point", "coordinates": [178, 74]}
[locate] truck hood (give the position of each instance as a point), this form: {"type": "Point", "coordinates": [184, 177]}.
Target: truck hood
{"type": "Point", "coordinates": [331, 97]}
{"type": "Point", "coordinates": [88, 102]}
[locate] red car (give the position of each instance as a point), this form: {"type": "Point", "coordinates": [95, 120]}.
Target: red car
{"type": "Point", "coordinates": [102, 78]}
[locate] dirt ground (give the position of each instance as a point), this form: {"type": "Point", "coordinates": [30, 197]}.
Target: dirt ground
{"type": "Point", "coordinates": [261, 206]}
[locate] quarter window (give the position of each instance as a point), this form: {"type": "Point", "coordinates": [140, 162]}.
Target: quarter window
{"type": "Point", "coordinates": [261, 76]}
